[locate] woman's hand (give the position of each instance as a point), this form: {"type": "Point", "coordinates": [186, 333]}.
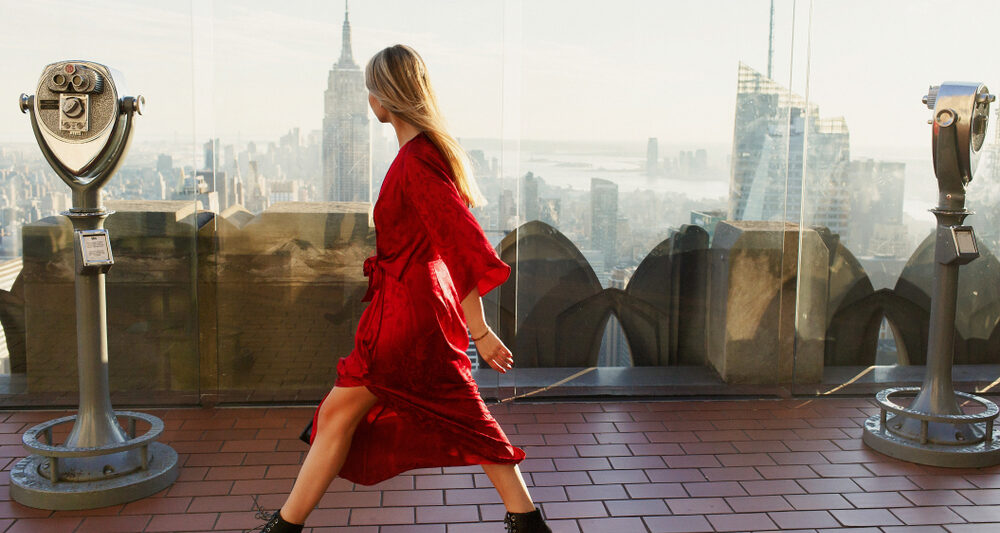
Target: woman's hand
{"type": "Point", "coordinates": [492, 350]}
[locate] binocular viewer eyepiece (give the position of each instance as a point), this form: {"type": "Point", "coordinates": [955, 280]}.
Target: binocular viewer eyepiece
{"type": "Point", "coordinates": [70, 77]}
{"type": "Point", "coordinates": [83, 125]}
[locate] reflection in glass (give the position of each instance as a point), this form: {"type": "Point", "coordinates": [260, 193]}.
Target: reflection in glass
{"type": "Point", "coordinates": [771, 158]}
{"type": "Point", "coordinates": [875, 327]}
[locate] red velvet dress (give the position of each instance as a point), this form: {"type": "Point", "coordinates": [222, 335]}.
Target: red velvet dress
{"type": "Point", "coordinates": [409, 350]}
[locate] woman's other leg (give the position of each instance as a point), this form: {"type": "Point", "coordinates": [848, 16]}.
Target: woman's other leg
{"type": "Point", "coordinates": [509, 483]}
{"type": "Point", "coordinates": [339, 416]}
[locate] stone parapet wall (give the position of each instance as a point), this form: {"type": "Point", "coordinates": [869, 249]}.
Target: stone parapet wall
{"type": "Point", "coordinates": [239, 307]}
{"type": "Point", "coordinates": [752, 303]}
{"type": "Point", "coordinates": [201, 303]}
{"type": "Point", "coordinates": [288, 292]}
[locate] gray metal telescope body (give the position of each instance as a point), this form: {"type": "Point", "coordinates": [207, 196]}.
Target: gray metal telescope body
{"type": "Point", "coordinates": [84, 127]}
{"type": "Point", "coordinates": [934, 429]}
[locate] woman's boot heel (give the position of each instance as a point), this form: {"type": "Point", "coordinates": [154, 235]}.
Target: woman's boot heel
{"type": "Point", "coordinates": [526, 522]}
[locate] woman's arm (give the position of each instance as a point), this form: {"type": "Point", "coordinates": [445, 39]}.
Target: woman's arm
{"type": "Point", "coordinates": [491, 349]}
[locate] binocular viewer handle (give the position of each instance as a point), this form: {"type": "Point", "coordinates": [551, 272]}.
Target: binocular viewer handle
{"type": "Point", "coordinates": [87, 182]}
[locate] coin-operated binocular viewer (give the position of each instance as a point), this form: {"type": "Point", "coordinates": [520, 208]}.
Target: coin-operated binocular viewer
{"type": "Point", "coordinates": [933, 429]}
{"type": "Point", "coordinates": [83, 126]}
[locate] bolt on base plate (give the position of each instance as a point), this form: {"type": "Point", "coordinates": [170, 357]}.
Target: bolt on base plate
{"type": "Point", "coordinates": [28, 486]}
{"type": "Point", "coordinates": [972, 456]}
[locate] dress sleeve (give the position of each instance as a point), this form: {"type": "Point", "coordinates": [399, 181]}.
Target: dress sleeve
{"type": "Point", "coordinates": [452, 229]}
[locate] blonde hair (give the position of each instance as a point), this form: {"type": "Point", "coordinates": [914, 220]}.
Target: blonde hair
{"type": "Point", "coordinates": [397, 77]}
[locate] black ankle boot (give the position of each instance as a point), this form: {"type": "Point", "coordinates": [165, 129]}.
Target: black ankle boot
{"type": "Point", "coordinates": [526, 522]}
{"type": "Point", "coordinates": [278, 525]}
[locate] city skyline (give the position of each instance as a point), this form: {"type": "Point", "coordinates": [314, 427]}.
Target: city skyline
{"type": "Point", "coordinates": [677, 164]}
{"type": "Point", "coordinates": [511, 69]}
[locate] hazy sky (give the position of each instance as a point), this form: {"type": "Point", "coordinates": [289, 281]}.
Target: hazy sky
{"type": "Point", "coordinates": [538, 69]}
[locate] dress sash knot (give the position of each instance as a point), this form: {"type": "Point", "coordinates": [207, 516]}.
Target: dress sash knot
{"type": "Point", "coordinates": [374, 272]}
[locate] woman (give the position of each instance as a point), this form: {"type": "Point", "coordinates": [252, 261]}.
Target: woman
{"type": "Point", "coordinates": [405, 398]}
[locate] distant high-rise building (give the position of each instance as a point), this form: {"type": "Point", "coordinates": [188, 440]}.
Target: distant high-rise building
{"type": "Point", "coordinates": [652, 157]}
{"type": "Point", "coordinates": [347, 169]}
{"type": "Point", "coordinates": [211, 154]}
{"type": "Point", "coordinates": [876, 194]}
{"type": "Point", "coordinates": [164, 164]}
{"type": "Point", "coordinates": [213, 175]}
{"type": "Point", "coordinates": [685, 162]}
{"type": "Point", "coordinates": [548, 211]}
{"type": "Point", "coordinates": [283, 191]}
{"type": "Point", "coordinates": [506, 217]}
{"type": "Point", "coordinates": [161, 187]}
{"type": "Point", "coordinates": [239, 189]}
{"type": "Point", "coordinates": [826, 179]}
{"type": "Point", "coordinates": [700, 159]}
{"type": "Point", "coordinates": [290, 139]}
{"type": "Point", "coordinates": [773, 160]}
{"type": "Point", "coordinates": [255, 192]}
{"type": "Point", "coordinates": [623, 236]}
{"type": "Point", "coordinates": [530, 197]}
{"type": "Point", "coordinates": [480, 166]}
{"type": "Point", "coordinates": [196, 188]}
{"type": "Point", "coordinates": [604, 219]}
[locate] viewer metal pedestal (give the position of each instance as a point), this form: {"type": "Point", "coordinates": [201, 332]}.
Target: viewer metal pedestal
{"type": "Point", "coordinates": [934, 429]}
{"type": "Point", "coordinates": [84, 129]}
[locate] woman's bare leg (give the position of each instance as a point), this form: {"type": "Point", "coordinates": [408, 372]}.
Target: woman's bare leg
{"type": "Point", "coordinates": [339, 416]}
{"type": "Point", "coordinates": [509, 483]}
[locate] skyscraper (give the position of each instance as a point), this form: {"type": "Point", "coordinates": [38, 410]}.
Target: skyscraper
{"type": "Point", "coordinates": [782, 146]}
{"type": "Point", "coordinates": [506, 211]}
{"type": "Point", "coordinates": [548, 211]}
{"type": "Point", "coordinates": [877, 227]}
{"type": "Point", "coordinates": [164, 164]}
{"type": "Point", "coordinates": [211, 154]}
{"type": "Point", "coordinates": [347, 169]}
{"type": "Point", "coordinates": [214, 175]}
{"type": "Point", "coordinates": [604, 219]}
{"type": "Point", "coordinates": [652, 157]}
{"type": "Point", "coordinates": [530, 197]}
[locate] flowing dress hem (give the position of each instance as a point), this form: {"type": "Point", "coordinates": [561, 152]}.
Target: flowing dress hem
{"type": "Point", "coordinates": [389, 401]}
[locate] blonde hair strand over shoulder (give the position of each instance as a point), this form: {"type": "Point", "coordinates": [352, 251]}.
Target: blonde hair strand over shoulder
{"type": "Point", "coordinates": [397, 77]}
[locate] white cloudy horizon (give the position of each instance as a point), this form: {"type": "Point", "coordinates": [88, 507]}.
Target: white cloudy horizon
{"type": "Point", "coordinates": [600, 72]}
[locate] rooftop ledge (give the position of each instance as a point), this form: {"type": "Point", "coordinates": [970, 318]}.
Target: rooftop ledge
{"type": "Point", "coordinates": [244, 308]}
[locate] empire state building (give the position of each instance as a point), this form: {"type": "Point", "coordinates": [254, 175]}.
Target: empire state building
{"type": "Point", "coordinates": [347, 168]}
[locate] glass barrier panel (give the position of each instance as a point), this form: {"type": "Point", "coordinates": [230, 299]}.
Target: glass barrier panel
{"type": "Point", "coordinates": [866, 261]}
{"type": "Point", "coordinates": [649, 196]}
{"type": "Point", "coordinates": [295, 165]}
{"type": "Point", "coordinates": [152, 309]}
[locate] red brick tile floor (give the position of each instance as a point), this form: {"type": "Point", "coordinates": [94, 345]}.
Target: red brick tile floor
{"type": "Point", "coordinates": [622, 467]}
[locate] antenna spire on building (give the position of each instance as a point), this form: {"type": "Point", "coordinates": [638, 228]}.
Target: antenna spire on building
{"type": "Point", "coordinates": [770, 42]}
{"type": "Point", "coordinates": [346, 56]}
